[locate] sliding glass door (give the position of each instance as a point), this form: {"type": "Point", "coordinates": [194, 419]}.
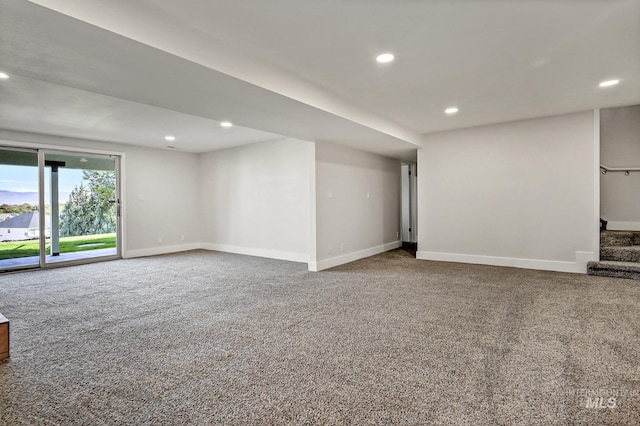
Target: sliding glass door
{"type": "Point", "coordinates": [81, 190]}
{"type": "Point", "coordinates": [74, 200]}
{"type": "Point", "coordinates": [19, 209]}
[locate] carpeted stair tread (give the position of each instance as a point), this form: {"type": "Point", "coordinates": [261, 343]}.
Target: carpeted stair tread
{"type": "Point", "coordinates": [614, 269]}
{"type": "Point", "coordinates": [620, 253]}
{"type": "Point", "coordinates": [619, 238]}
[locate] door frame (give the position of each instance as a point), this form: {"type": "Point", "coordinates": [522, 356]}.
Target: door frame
{"type": "Point", "coordinates": [409, 199]}
{"type": "Point", "coordinates": [41, 150]}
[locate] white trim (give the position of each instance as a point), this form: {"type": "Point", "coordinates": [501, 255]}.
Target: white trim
{"type": "Point", "coordinates": [595, 236]}
{"type": "Point", "coordinates": [584, 257]}
{"type": "Point", "coordinates": [623, 226]}
{"type": "Point", "coordinates": [249, 251]}
{"type": "Point", "coordinates": [545, 265]}
{"type": "Point", "coordinates": [49, 147]}
{"type": "Point", "coordinates": [353, 256]}
{"type": "Point", "coordinates": [41, 207]}
{"type": "Point", "coordinates": [153, 251]}
{"type": "Point", "coordinates": [313, 216]}
{"type": "Point", "coordinates": [123, 205]}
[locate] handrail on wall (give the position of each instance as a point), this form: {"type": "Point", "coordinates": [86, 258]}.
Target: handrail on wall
{"type": "Point", "coordinates": [627, 170]}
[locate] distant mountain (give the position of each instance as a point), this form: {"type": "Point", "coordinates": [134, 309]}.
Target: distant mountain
{"type": "Point", "coordinates": [12, 198]}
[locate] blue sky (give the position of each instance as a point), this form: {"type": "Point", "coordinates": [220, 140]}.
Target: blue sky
{"type": "Point", "coordinates": [25, 178]}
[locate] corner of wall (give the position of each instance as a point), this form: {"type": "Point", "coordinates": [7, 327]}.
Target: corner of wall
{"type": "Point", "coordinates": [512, 262]}
{"type": "Point", "coordinates": [248, 251]}
{"type": "Point", "coordinates": [596, 185]}
{"type": "Point", "coordinates": [313, 250]}
{"type": "Point", "coordinates": [332, 262]}
{"type": "Point", "coordinates": [154, 251]}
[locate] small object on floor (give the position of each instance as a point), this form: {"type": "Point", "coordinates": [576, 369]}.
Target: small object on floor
{"type": "Point", "coordinates": [603, 225]}
{"type": "Point", "coordinates": [4, 338]}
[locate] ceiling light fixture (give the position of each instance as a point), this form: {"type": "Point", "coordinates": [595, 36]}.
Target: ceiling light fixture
{"type": "Point", "coordinates": [226, 124]}
{"type": "Point", "coordinates": [170, 138]}
{"type": "Point", "coordinates": [4, 75]}
{"type": "Point", "coordinates": [609, 83]}
{"type": "Point", "coordinates": [83, 160]}
{"type": "Point", "coordinates": [385, 58]}
{"type": "Point", "coordinates": [451, 110]}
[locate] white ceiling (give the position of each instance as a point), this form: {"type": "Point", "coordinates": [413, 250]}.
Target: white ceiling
{"type": "Point", "coordinates": [61, 110]}
{"type": "Point", "coordinates": [306, 68]}
{"type": "Point", "coordinates": [497, 60]}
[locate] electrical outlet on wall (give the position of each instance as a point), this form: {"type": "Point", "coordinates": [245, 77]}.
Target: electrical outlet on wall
{"type": "Point", "coordinates": [342, 247]}
{"type": "Point", "coordinates": [181, 237]}
{"type": "Point", "coordinates": [159, 240]}
{"type": "Point", "coordinates": [329, 249]}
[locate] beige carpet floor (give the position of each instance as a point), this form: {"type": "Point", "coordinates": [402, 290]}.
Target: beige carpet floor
{"type": "Point", "coordinates": [214, 338]}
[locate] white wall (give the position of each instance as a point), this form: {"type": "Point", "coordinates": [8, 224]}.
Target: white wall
{"type": "Point", "coordinates": [160, 192]}
{"type": "Point", "coordinates": [518, 194]}
{"type": "Point", "coordinates": [357, 205]}
{"type": "Point", "coordinates": [268, 199]}
{"type": "Point", "coordinates": [620, 147]}
{"type": "Point", "coordinates": [255, 199]}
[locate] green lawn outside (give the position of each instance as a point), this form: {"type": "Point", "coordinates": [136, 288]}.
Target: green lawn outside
{"type": "Point", "coordinates": [15, 249]}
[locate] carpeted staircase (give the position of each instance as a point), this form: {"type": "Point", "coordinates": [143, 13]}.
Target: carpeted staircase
{"type": "Point", "coordinates": [619, 255]}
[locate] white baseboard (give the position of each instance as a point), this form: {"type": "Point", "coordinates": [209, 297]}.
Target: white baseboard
{"type": "Point", "coordinates": [544, 265]}
{"type": "Point", "coordinates": [584, 257]}
{"type": "Point", "coordinates": [623, 226]}
{"type": "Point", "coordinates": [153, 251]}
{"type": "Point", "coordinates": [271, 254]}
{"type": "Point", "coordinates": [353, 256]}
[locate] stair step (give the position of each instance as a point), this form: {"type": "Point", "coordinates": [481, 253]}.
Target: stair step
{"type": "Point", "coordinates": [619, 238]}
{"type": "Point", "coordinates": [620, 254]}
{"type": "Point", "coordinates": [614, 269]}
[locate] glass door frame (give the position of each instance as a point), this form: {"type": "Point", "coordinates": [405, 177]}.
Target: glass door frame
{"type": "Point", "coordinates": [118, 205]}
{"type": "Point", "coordinates": [34, 265]}
{"type": "Point", "coordinates": [41, 150]}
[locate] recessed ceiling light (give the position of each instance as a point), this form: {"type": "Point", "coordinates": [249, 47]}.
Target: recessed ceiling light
{"type": "Point", "coordinates": [451, 110]}
{"type": "Point", "coordinates": [226, 124]}
{"type": "Point", "coordinates": [609, 83]}
{"type": "Point", "coordinates": [83, 160]}
{"type": "Point", "coordinates": [385, 58]}
{"type": "Point", "coordinates": [4, 75]}
{"type": "Point", "coordinates": [170, 138]}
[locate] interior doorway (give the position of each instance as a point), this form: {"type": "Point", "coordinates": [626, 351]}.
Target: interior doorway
{"type": "Point", "coordinates": [620, 168]}
{"type": "Point", "coordinates": [409, 211]}
{"type": "Point", "coordinates": [58, 208]}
